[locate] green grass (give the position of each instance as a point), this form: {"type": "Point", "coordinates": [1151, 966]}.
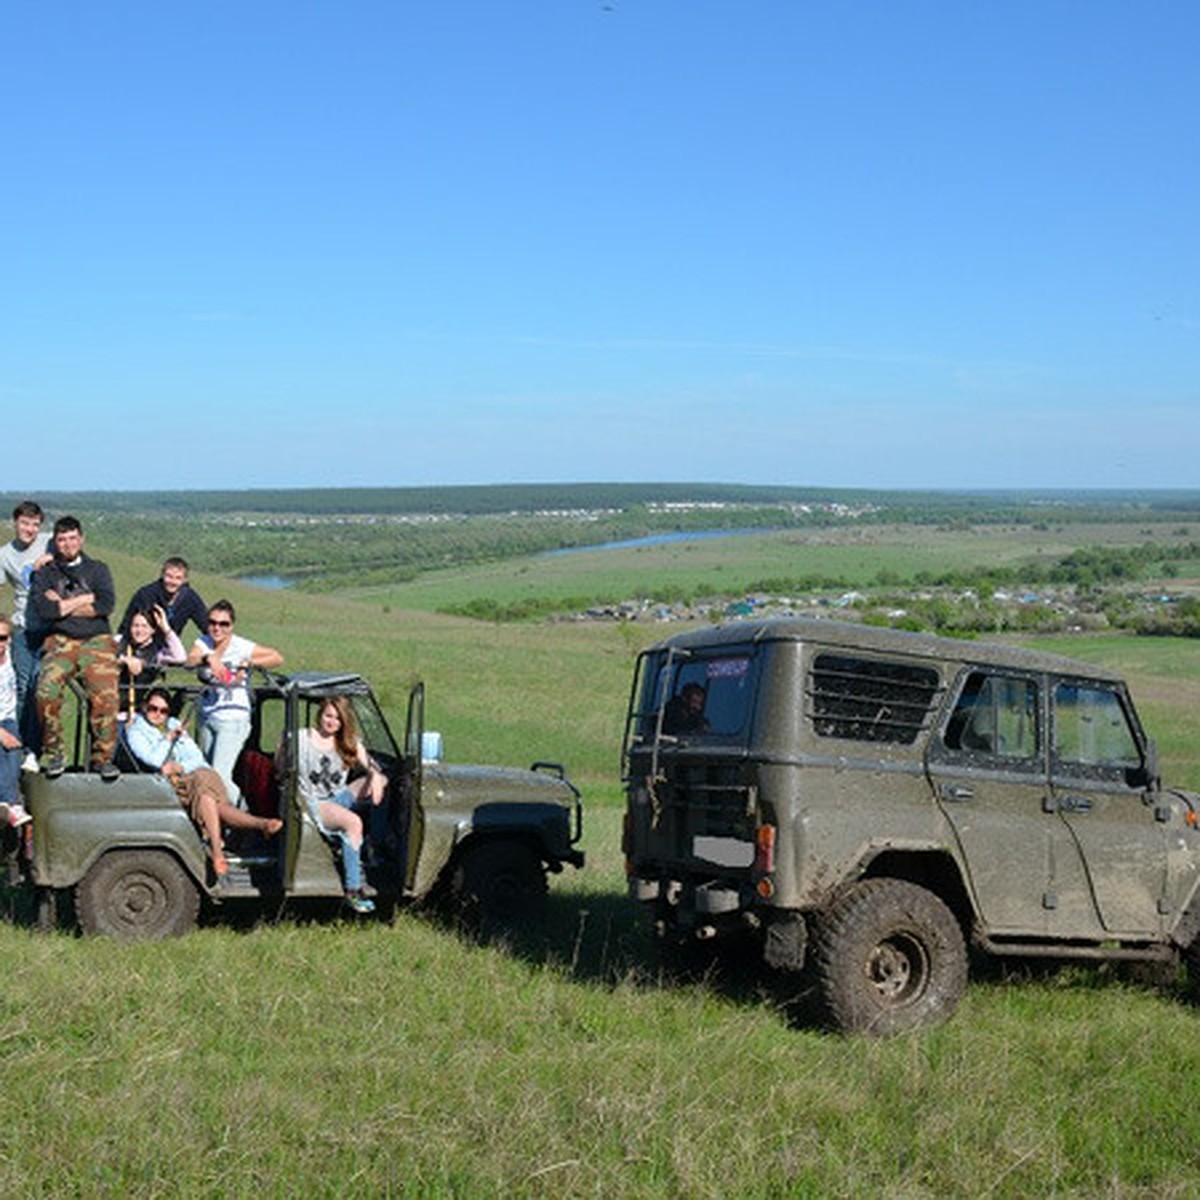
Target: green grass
{"type": "Point", "coordinates": [335, 1059]}
{"type": "Point", "coordinates": [320, 1057]}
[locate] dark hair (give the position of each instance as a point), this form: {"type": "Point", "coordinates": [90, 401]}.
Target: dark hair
{"type": "Point", "coordinates": [223, 606]}
{"type": "Point", "coordinates": [67, 524]}
{"type": "Point", "coordinates": [28, 508]}
{"type": "Point", "coordinates": [158, 691]}
{"type": "Point", "coordinates": [156, 635]}
{"type": "Point", "coordinates": [176, 561]}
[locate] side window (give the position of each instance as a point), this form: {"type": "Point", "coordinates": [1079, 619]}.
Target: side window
{"type": "Point", "coordinates": [1091, 729]}
{"type": "Point", "coordinates": [271, 722]}
{"type": "Point", "coordinates": [995, 716]}
{"type": "Point", "coordinates": [868, 700]}
{"type": "Point", "coordinates": [369, 724]}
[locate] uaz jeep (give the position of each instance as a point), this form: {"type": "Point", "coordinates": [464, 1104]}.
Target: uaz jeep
{"type": "Point", "coordinates": [481, 837]}
{"type": "Point", "coordinates": [861, 802]}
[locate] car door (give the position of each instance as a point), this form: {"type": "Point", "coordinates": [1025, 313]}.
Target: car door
{"type": "Point", "coordinates": [1098, 788]}
{"type": "Point", "coordinates": [987, 766]}
{"type": "Point", "coordinates": [411, 779]}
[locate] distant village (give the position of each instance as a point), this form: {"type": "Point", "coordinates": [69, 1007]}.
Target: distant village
{"type": "Point", "coordinates": [1052, 609]}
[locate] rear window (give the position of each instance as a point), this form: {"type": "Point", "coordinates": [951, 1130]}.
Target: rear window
{"type": "Point", "coordinates": [700, 696]}
{"type": "Point", "coordinates": [870, 700]}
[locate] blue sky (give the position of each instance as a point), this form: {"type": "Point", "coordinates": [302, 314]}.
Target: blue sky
{"type": "Point", "coordinates": [885, 244]}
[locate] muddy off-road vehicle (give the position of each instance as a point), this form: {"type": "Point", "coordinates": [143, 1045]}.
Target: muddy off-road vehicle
{"type": "Point", "coordinates": [480, 838]}
{"type": "Point", "coordinates": [862, 804]}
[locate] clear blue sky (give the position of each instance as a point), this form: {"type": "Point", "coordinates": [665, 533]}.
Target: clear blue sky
{"type": "Point", "coordinates": [891, 244]}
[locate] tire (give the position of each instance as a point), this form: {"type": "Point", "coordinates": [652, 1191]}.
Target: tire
{"type": "Point", "coordinates": [1191, 963]}
{"type": "Point", "coordinates": [499, 886]}
{"type": "Point", "coordinates": [137, 895]}
{"type": "Point", "coordinates": [889, 958]}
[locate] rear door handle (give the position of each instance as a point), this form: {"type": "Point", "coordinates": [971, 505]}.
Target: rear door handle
{"type": "Point", "coordinates": [1075, 804]}
{"type": "Point", "coordinates": [957, 791]}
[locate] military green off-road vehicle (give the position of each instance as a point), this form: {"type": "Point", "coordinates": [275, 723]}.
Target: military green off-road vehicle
{"type": "Point", "coordinates": [482, 838]}
{"type": "Point", "coordinates": [863, 803]}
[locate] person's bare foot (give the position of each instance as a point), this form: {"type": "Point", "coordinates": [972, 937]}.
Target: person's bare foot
{"type": "Point", "coordinates": [220, 864]}
{"type": "Point", "coordinates": [271, 826]}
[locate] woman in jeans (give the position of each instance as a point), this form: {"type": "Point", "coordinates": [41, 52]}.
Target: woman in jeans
{"type": "Point", "coordinates": [327, 755]}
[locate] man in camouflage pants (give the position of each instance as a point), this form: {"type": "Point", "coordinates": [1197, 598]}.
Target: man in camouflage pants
{"type": "Point", "coordinates": [73, 596]}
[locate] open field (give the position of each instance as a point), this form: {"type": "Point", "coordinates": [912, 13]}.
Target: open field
{"type": "Point", "coordinates": [856, 556]}
{"type": "Point", "coordinates": [318, 1056]}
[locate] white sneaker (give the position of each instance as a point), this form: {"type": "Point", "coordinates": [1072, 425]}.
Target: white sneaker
{"type": "Point", "coordinates": [18, 816]}
{"type": "Point", "coordinates": [30, 762]}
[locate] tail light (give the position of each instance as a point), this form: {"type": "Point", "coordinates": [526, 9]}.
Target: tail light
{"type": "Point", "coordinates": [764, 857]}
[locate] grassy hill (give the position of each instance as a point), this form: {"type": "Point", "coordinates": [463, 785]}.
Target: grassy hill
{"type": "Point", "coordinates": [317, 1056]}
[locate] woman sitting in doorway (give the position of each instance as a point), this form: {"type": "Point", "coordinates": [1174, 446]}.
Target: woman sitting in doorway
{"type": "Point", "coordinates": [327, 755]}
{"type": "Point", "coordinates": [156, 738]}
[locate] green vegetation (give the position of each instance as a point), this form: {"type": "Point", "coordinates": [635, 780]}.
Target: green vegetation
{"type": "Point", "coordinates": [321, 1057]}
{"type": "Point", "coordinates": [337, 1060]}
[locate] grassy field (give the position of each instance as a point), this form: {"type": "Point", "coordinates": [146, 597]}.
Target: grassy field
{"type": "Point", "coordinates": [320, 1057]}
{"type": "Point", "coordinates": [857, 556]}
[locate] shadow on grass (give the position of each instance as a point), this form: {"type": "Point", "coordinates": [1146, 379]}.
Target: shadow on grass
{"type": "Point", "coordinates": [601, 939]}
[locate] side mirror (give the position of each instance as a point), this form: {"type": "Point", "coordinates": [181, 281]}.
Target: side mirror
{"type": "Point", "coordinates": [1146, 776]}
{"type": "Point", "coordinates": [431, 747]}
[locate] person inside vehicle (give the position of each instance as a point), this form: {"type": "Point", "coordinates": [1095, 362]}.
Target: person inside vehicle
{"type": "Point", "coordinates": [685, 711]}
{"type": "Point", "coordinates": [158, 740]}
{"type": "Point", "coordinates": [335, 774]}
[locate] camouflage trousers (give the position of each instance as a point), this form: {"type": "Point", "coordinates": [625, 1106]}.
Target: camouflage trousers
{"type": "Point", "coordinates": [92, 661]}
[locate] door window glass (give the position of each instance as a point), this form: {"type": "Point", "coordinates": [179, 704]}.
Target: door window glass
{"type": "Point", "coordinates": [995, 716]}
{"type": "Point", "coordinates": [1091, 728]}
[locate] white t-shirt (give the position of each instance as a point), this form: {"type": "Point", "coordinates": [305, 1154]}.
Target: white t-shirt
{"type": "Point", "coordinates": [8, 690]}
{"type": "Point", "coordinates": [227, 699]}
{"type": "Point", "coordinates": [322, 773]}
{"type": "Point", "coordinates": [17, 564]}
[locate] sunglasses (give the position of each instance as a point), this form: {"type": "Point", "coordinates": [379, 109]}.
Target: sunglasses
{"type": "Point", "coordinates": [220, 622]}
{"type": "Point", "coordinates": [157, 708]}
{"type": "Point", "coordinates": [3, 637]}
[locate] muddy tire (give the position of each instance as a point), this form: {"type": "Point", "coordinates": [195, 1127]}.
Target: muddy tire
{"type": "Point", "coordinates": [1191, 970]}
{"type": "Point", "coordinates": [498, 886]}
{"type": "Point", "coordinates": [137, 895]}
{"type": "Point", "coordinates": [889, 958]}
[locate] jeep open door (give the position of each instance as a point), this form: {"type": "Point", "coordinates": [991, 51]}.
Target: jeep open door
{"type": "Point", "coordinates": [310, 857]}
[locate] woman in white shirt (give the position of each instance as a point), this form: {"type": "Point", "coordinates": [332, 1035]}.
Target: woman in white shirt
{"type": "Point", "coordinates": [225, 660]}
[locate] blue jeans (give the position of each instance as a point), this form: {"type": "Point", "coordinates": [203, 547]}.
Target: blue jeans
{"type": "Point", "coordinates": [26, 647]}
{"type": "Point", "coordinates": [10, 768]}
{"type": "Point", "coordinates": [221, 740]}
{"type": "Point", "coordinates": [351, 858]}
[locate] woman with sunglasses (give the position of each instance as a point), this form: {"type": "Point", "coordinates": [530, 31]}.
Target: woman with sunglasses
{"type": "Point", "coordinates": [225, 660]}
{"type": "Point", "coordinates": [156, 738]}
